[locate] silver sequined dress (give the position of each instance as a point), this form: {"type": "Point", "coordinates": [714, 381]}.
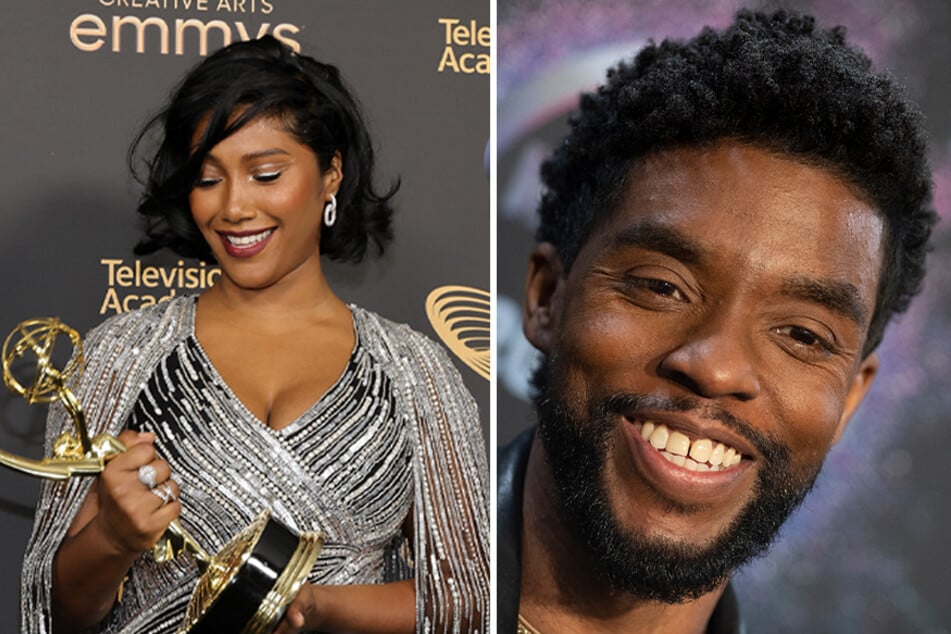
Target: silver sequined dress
{"type": "Point", "coordinates": [397, 433]}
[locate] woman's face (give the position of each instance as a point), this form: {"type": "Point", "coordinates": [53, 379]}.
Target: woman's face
{"type": "Point", "coordinates": [259, 201]}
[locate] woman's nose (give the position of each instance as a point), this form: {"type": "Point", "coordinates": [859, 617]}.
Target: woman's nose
{"type": "Point", "coordinates": [238, 204]}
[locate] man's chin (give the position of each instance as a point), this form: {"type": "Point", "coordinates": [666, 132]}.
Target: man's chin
{"type": "Point", "coordinates": [662, 568]}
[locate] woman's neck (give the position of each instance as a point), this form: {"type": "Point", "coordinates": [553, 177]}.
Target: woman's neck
{"type": "Point", "coordinates": [302, 293]}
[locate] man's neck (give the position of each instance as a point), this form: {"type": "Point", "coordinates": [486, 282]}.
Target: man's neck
{"type": "Point", "coordinates": [563, 591]}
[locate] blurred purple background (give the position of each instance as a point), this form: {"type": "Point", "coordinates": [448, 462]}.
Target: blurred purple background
{"type": "Point", "coordinates": [865, 552]}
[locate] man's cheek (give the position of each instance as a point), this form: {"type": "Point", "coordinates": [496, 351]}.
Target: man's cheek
{"type": "Point", "coordinates": [610, 346]}
{"type": "Point", "coordinates": [809, 427]}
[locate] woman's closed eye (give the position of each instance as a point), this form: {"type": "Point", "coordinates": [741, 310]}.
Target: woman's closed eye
{"type": "Point", "coordinates": [205, 182]}
{"type": "Point", "coordinates": [267, 177]}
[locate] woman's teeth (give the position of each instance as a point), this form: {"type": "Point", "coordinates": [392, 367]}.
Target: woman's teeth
{"type": "Point", "coordinates": [702, 454]}
{"type": "Point", "coordinates": [246, 241]}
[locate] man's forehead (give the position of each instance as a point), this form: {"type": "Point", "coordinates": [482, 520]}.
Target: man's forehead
{"type": "Point", "coordinates": [756, 208]}
{"type": "Point", "coordinates": [770, 189]}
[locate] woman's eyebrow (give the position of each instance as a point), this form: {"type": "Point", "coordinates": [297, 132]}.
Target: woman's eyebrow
{"type": "Point", "coordinates": [264, 153]}
{"type": "Point", "coordinates": [251, 156]}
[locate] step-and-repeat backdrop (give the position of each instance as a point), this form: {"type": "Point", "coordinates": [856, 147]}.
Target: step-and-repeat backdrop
{"type": "Point", "coordinates": [867, 551]}
{"type": "Point", "coordinates": [80, 77]}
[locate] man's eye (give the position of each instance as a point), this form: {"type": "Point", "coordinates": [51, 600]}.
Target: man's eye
{"type": "Point", "coordinates": [658, 287]}
{"type": "Point", "coordinates": [654, 289]}
{"type": "Point", "coordinates": [806, 337]}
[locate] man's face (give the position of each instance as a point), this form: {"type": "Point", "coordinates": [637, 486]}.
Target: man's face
{"type": "Point", "coordinates": [724, 303]}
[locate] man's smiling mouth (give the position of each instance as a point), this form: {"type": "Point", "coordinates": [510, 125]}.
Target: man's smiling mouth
{"type": "Point", "coordinates": [698, 454]}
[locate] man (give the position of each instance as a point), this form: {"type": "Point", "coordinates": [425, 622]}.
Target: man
{"type": "Point", "coordinates": [725, 232]}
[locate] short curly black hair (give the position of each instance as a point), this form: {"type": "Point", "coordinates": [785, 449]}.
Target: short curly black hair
{"type": "Point", "coordinates": [772, 80]}
{"type": "Point", "coordinates": [226, 91]}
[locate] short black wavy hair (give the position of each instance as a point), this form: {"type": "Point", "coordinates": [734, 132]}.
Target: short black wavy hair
{"type": "Point", "coordinates": [228, 90]}
{"type": "Point", "coordinates": [772, 80]}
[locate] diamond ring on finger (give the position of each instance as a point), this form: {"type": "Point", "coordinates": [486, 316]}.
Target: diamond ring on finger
{"type": "Point", "coordinates": [147, 475]}
{"type": "Point", "coordinates": [164, 492]}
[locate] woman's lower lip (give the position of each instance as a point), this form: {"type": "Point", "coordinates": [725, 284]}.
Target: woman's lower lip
{"type": "Point", "coordinates": [245, 251]}
{"type": "Point", "coordinates": [678, 483]}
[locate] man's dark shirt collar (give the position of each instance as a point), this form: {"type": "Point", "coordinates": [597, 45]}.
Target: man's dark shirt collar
{"type": "Point", "coordinates": [512, 463]}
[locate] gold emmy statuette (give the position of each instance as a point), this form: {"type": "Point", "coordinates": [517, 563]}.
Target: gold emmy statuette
{"type": "Point", "coordinates": [247, 585]}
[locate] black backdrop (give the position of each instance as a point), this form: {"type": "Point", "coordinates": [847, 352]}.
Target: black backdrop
{"type": "Point", "coordinates": [74, 93]}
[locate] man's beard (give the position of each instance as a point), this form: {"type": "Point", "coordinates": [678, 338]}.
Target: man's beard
{"type": "Point", "coordinates": [657, 568]}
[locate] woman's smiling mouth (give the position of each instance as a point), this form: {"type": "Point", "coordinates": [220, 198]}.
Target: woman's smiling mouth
{"type": "Point", "coordinates": [245, 243]}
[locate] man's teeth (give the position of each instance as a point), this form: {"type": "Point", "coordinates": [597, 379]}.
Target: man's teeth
{"type": "Point", "coordinates": [246, 241]}
{"type": "Point", "coordinates": [702, 454]}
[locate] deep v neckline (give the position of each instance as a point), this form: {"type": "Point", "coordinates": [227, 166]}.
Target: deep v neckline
{"type": "Point", "coordinates": [308, 414]}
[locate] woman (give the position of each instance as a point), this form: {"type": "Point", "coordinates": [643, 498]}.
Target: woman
{"type": "Point", "coordinates": [263, 157]}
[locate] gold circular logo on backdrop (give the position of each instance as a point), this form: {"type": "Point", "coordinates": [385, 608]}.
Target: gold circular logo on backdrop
{"type": "Point", "coordinates": [460, 316]}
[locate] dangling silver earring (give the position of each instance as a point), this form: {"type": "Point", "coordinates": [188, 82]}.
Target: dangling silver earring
{"type": "Point", "coordinates": [330, 211]}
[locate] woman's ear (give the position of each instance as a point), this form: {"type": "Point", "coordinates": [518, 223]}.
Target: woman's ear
{"type": "Point", "coordinates": [333, 175]}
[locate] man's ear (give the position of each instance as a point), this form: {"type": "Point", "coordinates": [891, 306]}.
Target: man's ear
{"type": "Point", "coordinates": [862, 380]}
{"type": "Point", "coordinates": [544, 290]}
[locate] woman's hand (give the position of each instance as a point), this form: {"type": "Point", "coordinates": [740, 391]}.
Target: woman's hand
{"type": "Point", "coordinates": [302, 614]}
{"type": "Point", "coordinates": [385, 608]}
{"type": "Point", "coordinates": [132, 517]}
{"type": "Point", "coordinates": [119, 519]}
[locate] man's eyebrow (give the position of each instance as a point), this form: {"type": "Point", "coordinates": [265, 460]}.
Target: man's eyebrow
{"type": "Point", "coordinates": [840, 297]}
{"type": "Point", "coordinates": [652, 236]}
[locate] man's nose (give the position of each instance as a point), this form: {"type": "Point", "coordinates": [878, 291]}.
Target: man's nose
{"type": "Point", "coordinates": [715, 359]}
